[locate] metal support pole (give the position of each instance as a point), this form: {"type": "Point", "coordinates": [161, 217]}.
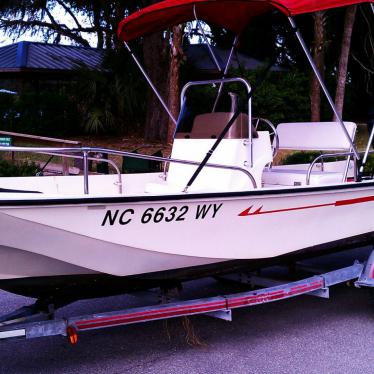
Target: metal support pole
{"type": "Point", "coordinates": [366, 278]}
{"type": "Point", "coordinates": [346, 169]}
{"type": "Point", "coordinates": [355, 171]}
{"type": "Point", "coordinates": [225, 72]}
{"type": "Point", "coordinates": [207, 41]}
{"type": "Point", "coordinates": [323, 86]}
{"type": "Point", "coordinates": [372, 7]}
{"type": "Point", "coordinates": [151, 84]}
{"type": "Point", "coordinates": [85, 172]}
{"type": "Point", "coordinates": [366, 154]}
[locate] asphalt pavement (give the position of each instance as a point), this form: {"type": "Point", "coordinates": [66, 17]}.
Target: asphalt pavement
{"type": "Point", "coordinates": [301, 335]}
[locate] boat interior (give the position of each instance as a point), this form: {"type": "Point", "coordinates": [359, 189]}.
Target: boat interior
{"type": "Point", "coordinates": [243, 158]}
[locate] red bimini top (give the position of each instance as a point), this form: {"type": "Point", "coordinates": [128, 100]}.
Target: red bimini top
{"type": "Point", "coordinates": [233, 15]}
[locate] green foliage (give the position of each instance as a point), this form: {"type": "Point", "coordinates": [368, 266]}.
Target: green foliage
{"type": "Point", "coordinates": [20, 169]}
{"type": "Point", "coordinates": [300, 158]}
{"type": "Point", "coordinates": [47, 112]}
{"type": "Point", "coordinates": [110, 100]}
{"type": "Point", "coordinates": [306, 157]}
{"type": "Point", "coordinates": [369, 166]}
{"type": "Point", "coordinates": [282, 97]}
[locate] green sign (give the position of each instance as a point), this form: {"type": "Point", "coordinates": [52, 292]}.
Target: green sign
{"type": "Point", "coordinates": [5, 141]}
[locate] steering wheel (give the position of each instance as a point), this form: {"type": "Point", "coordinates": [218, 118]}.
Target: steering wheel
{"type": "Point", "coordinates": [265, 125]}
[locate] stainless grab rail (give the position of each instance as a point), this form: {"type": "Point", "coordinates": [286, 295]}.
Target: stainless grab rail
{"type": "Point", "coordinates": [110, 162]}
{"type": "Point", "coordinates": [213, 81]}
{"type": "Point", "coordinates": [221, 82]}
{"type": "Point", "coordinates": [327, 155]}
{"type": "Point", "coordinates": [87, 150]}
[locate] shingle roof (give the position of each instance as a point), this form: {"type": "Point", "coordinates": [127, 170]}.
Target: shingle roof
{"type": "Point", "coordinates": [40, 56]}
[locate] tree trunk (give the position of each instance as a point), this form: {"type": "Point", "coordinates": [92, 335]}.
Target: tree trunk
{"type": "Point", "coordinates": [176, 57]}
{"type": "Point", "coordinates": [343, 61]}
{"type": "Point", "coordinates": [120, 10]}
{"type": "Point", "coordinates": [156, 65]}
{"type": "Point", "coordinates": [156, 60]}
{"type": "Point", "coordinates": [319, 58]}
{"type": "Point", "coordinates": [96, 22]}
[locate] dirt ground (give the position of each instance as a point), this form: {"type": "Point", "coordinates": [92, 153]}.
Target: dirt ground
{"type": "Point", "coordinates": [122, 143]}
{"type": "Point", "coordinates": [128, 143]}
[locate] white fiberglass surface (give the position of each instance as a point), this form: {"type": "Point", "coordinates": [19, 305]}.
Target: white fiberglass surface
{"type": "Point", "coordinates": [142, 184]}
{"type": "Point", "coordinates": [333, 166]}
{"type": "Point", "coordinates": [99, 185]}
{"type": "Point", "coordinates": [205, 228]}
{"type": "Point", "coordinates": [231, 152]}
{"type": "Point", "coordinates": [17, 263]}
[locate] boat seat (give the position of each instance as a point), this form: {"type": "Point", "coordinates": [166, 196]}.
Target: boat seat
{"type": "Point", "coordinates": [210, 125]}
{"type": "Point", "coordinates": [310, 136]}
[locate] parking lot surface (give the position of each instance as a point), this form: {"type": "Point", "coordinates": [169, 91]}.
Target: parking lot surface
{"type": "Point", "coordinates": [301, 335]}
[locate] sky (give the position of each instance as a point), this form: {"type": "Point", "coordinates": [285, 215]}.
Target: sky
{"type": "Point", "coordinates": [60, 15]}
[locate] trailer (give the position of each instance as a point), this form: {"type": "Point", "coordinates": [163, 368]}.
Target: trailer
{"type": "Point", "coordinates": [26, 323]}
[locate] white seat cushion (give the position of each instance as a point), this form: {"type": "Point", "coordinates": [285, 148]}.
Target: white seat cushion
{"type": "Point", "coordinates": [318, 136]}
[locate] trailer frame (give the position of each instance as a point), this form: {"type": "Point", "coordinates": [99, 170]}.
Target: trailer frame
{"type": "Point", "coordinates": [43, 324]}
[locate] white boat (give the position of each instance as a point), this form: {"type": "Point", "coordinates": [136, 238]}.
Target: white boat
{"type": "Point", "coordinates": [63, 237]}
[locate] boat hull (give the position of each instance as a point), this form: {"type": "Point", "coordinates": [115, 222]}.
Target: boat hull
{"type": "Point", "coordinates": [135, 236]}
{"type": "Point", "coordinates": [64, 289]}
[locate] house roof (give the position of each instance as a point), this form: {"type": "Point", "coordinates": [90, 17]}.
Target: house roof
{"type": "Point", "coordinates": [33, 56]}
{"type": "Point", "coordinates": [30, 56]}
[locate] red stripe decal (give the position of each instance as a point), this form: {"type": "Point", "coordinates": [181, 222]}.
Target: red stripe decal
{"type": "Point", "coordinates": [372, 272]}
{"type": "Point", "coordinates": [125, 319]}
{"type": "Point", "coordinates": [153, 313]}
{"type": "Point", "coordinates": [259, 210]}
{"type": "Point", "coordinates": [263, 298]}
{"type": "Point", "coordinates": [355, 201]}
{"type": "Point", "coordinates": [234, 302]}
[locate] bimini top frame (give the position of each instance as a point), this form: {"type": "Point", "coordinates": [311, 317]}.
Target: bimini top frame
{"type": "Point", "coordinates": [233, 15]}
